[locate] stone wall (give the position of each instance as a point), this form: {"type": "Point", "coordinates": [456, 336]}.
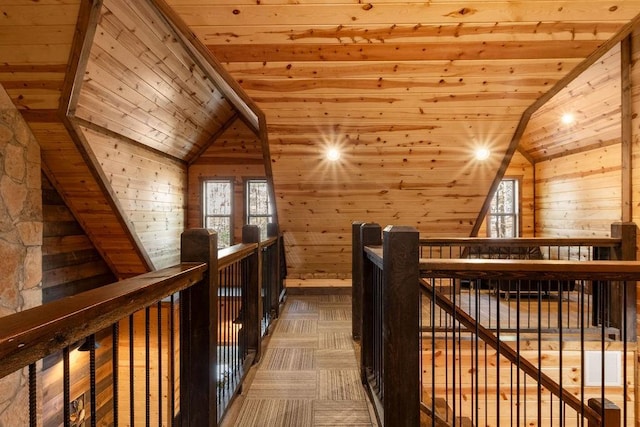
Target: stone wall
{"type": "Point", "coordinates": [20, 240]}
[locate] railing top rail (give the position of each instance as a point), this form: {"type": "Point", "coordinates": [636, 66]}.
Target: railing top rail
{"type": "Point", "coordinates": [235, 253]}
{"type": "Point", "coordinates": [30, 335]}
{"type": "Point", "coordinates": [521, 242]}
{"type": "Point", "coordinates": [529, 269]}
{"type": "Point", "coordinates": [269, 241]}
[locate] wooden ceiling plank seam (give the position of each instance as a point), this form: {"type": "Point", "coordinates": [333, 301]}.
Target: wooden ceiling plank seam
{"type": "Point", "coordinates": [561, 84]}
{"type": "Point", "coordinates": [83, 37]}
{"type": "Point", "coordinates": [96, 107]}
{"type": "Point", "coordinates": [559, 50]}
{"type": "Point", "coordinates": [167, 88]}
{"type": "Point", "coordinates": [182, 61]}
{"type": "Point", "coordinates": [105, 62]}
{"type": "Point", "coordinates": [626, 131]}
{"type": "Point", "coordinates": [213, 138]}
{"type": "Point", "coordinates": [119, 136]}
{"type": "Point", "coordinates": [423, 33]}
{"type": "Point", "coordinates": [232, 91]}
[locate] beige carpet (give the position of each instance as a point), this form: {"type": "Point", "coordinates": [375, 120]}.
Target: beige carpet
{"type": "Point", "coordinates": [308, 376]}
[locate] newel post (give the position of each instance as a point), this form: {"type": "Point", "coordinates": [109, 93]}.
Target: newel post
{"type": "Point", "coordinates": [253, 301]}
{"type": "Point", "coordinates": [370, 235]}
{"type": "Point", "coordinates": [401, 326]}
{"type": "Point", "coordinates": [199, 325]}
{"type": "Point", "coordinates": [608, 410]}
{"type": "Point", "coordinates": [274, 303]}
{"type": "Point", "coordinates": [356, 280]}
{"type": "Point", "coordinates": [623, 304]}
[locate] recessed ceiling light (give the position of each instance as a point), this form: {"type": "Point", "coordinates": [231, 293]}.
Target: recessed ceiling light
{"type": "Point", "coordinates": [567, 118]}
{"type": "Point", "coordinates": [333, 154]}
{"type": "Point", "coordinates": [482, 153]}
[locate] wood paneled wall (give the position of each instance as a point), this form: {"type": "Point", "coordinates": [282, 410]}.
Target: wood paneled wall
{"type": "Point", "coordinates": [151, 190]}
{"type": "Point", "coordinates": [70, 262]}
{"type": "Point", "coordinates": [579, 195]}
{"type": "Point", "coordinates": [236, 154]}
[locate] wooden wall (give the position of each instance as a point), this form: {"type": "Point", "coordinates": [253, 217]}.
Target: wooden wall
{"type": "Point", "coordinates": [151, 190]}
{"type": "Point", "coordinates": [236, 154]}
{"type": "Point", "coordinates": [578, 166]}
{"type": "Point", "coordinates": [70, 262]}
{"type": "Point", "coordinates": [579, 195]}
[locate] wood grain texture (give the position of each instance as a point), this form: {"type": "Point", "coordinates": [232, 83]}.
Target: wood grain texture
{"type": "Point", "coordinates": [407, 90]}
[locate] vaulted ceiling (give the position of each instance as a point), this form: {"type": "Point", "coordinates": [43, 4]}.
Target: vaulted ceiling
{"type": "Point", "coordinates": [406, 89]}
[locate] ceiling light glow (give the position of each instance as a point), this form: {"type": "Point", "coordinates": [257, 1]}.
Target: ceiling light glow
{"type": "Point", "coordinates": [333, 154]}
{"type": "Point", "coordinates": [567, 118]}
{"type": "Point", "coordinates": [482, 153]}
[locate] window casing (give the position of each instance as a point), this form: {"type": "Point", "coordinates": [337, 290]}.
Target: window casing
{"type": "Point", "coordinates": [504, 215]}
{"type": "Point", "coordinates": [258, 207]}
{"type": "Point", "coordinates": [217, 203]}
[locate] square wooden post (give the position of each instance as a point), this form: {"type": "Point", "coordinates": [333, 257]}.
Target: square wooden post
{"type": "Point", "coordinates": [198, 332]}
{"type": "Point", "coordinates": [274, 303]}
{"type": "Point", "coordinates": [624, 314]}
{"type": "Point", "coordinates": [253, 301]}
{"type": "Point", "coordinates": [609, 411]}
{"type": "Point", "coordinates": [370, 235]}
{"type": "Point", "coordinates": [401, 326]}
{"type": "Point", "coordinates": [356, 281]}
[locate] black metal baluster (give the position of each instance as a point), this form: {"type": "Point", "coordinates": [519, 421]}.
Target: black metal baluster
{"type": "Point", "coordinates": [159, 348]}
{"type": "Point", "coordinates": [92, 379]}
{"type": "Point", "coordinates": [147, 367]}
{"type": "Point", "coordinates": [33, 398]}
{"type": "Point", "coordinates": [131, 374]}
{"type": "Point", "coordinates": [66, 388]}
{"type": "Point", "coordinates": [115, 355]}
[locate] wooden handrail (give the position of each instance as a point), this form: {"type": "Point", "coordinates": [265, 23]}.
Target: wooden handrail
{"type": "Point", "coordinates": [504, 269]}
{"type": "Point", "coordinates": [521, 241]}
{"type": "Point", "coordinates": [510, 354]}
{"type": "Point", "coordinates": [32, 334]}
{"type": "Point", "coordinates": [235, 253]}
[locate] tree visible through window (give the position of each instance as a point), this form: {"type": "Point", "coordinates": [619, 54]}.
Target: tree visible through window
{"type": "Point", "coordinates": [217, 213]}
{"type": "Point", "coordinates": [503, 217]}
{"type": "Point", "coordinates": [258, 205]}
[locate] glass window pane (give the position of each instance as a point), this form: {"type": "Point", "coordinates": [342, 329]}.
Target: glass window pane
{"type": "Point", "coordinates": [222, 225]}
{"type": "Point", "coordinates": [218, 197]}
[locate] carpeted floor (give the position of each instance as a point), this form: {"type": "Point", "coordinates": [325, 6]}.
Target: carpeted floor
{"type": "Point", "coordinates": [309, 375]}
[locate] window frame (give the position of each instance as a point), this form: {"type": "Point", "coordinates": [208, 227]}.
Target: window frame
{"type": "Point", "coordinates": [203, 204]}
{"type": "Point", "coordinates": [247, 214]}
{"type": "Point", "coordinates": [517, 206]}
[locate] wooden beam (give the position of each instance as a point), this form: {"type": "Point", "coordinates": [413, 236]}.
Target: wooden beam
{"type": "Point", "coordinates": [626, 129]}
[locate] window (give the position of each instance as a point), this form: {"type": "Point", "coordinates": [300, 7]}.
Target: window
{"type": "Point", "coordinates": [503, 217]}
{"type": "Point", "coordinates": [258, 205]}
{"type": "Point", "coordinates": [217, 209]}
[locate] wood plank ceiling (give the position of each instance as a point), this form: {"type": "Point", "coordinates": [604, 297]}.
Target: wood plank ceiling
{"type": "Point", "coordinates": [120, 101]}
{"type": "Point", "coordinates": [406, 89]}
